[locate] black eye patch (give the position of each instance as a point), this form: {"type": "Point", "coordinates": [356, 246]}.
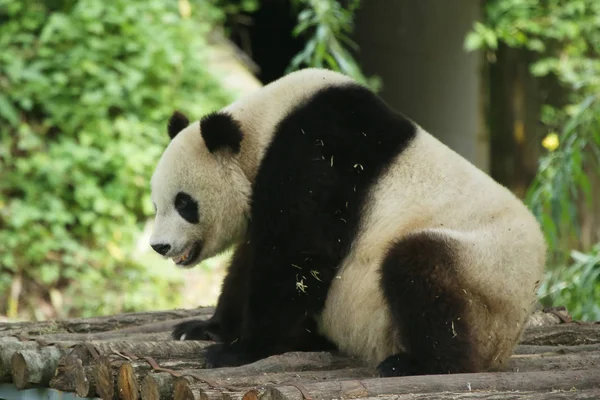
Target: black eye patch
{"type": "Point", "coordinates": [187, 207]}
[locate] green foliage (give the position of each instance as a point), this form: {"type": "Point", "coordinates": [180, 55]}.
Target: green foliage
{"type": "Point", "coordinates": [86, 88]}
{"type": "Point", "coordinates": [565, 36]}
{"type": "Point", "coordinates": [565, 33]}
{"type": "Point", "coordinates": [328, 25]}
{"type": "Point", "coordinates": [235, 7]}
{"type": "Point", "coordinates": [577, 287]}
{"type": "Point", "coordinates": [562, 178]}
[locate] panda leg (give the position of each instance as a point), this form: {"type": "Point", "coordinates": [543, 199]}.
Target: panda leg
{"type": "Point", "coordinates": [225, 323]}
{"type": "Point", "coordinates": [421, 284]}
{"type": "Point", "coordinates": [276, 319]}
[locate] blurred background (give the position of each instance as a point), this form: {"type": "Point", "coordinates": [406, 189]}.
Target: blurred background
{"type": "Point", "coordinates": [87, 86]}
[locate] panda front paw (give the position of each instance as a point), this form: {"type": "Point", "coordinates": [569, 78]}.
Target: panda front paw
{"type": "Point", "coordinates": [196, 330]}
{"type": "Point", "coordinates": [228, 355]}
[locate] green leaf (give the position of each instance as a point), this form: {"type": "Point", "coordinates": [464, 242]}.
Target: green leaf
{"type": "Point", "coordinates": [8, 111]}
{"type": "Point", "coordinates": [473, 41]}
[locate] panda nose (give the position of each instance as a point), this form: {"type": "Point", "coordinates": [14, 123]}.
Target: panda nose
{"type": "Point", "coordinates": [161, 249]}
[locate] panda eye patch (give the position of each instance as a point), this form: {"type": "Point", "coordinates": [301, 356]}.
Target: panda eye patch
{"type": "Point", "coordinates": [187, 207]}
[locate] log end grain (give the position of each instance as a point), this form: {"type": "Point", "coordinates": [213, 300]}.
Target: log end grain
{"type": "Point", "coordinates": [252, 394]}
{"type": "Point", "coordinates": [282, 393]}
{"type": "Point", "coordinates": [157, 386]}
{"type": "Point", "coordinates": [127, 382]}
{"type": "Point", "coordinates": [105, 383]}
{"type": "Point", "coordinates": [7, 349]}
{"type": "Point", "coordinates": [85, 384]}
{"type": "Point", "coordinates": [182, 390]}
{"type": "Point", "coordinates": [20, 370]}
{"type": "Point", "coordinates": [35, 367]}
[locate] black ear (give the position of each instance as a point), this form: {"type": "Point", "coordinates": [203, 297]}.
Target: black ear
{"type": "Point", "coordinates": [221, 130]}
{"type": "Point", "coordinates": [177, 123]}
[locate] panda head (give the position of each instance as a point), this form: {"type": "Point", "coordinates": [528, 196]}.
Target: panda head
{"type": "Point", "coordinates": [199, 191]}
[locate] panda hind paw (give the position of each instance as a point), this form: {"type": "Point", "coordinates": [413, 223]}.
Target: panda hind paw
{"type": "Point", "coordinates": [400, 364]}
{"type": "Point", "coordinates": [228, 355]}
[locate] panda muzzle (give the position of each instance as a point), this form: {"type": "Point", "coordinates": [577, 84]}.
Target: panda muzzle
{"type": "Point", "coordinates": [190, 255]}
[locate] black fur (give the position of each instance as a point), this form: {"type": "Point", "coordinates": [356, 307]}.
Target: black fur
{"type": "Point", "coordinates": [177, 123]}
{"type": "Point", "coordinates": [306, 206]}
{"type": "Point", "coordinates": [187, 207]}
{"type": "Point", "coordinates": [220, 130]}
{"type": "Point", "coordinates": [420, 271]}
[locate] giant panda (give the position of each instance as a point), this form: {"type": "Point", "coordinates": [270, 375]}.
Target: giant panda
{"type": "Point", "coordinates": [354, 229]}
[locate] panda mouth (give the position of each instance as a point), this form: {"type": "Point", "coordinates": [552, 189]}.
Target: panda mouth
{"type": "Point", "coordinates": [190, 255]}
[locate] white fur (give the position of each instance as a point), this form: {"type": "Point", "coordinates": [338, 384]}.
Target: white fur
{"type": "Point", "coordinates": [429, 187]}
{"type": "Point", "coordinates": [221, 183]}
{"type": "Point", "coordinates": [503, 255]}
{"type": "Point", "coordinates": [217, 183]}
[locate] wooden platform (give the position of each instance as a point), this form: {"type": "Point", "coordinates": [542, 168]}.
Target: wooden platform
{"type": "Point", "coordinates": [131, 356]}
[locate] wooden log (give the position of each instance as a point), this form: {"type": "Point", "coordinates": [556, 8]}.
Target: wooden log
{"type": "Point", "coordinates": [7, 350]}
{"type": "Point", "coordinates": [128, 386]}
{"type": "Point", "coordinates": [32, 368]}
{"type": "Point", "coordinates": [185, 389]}
{"type": "Point", "coordinates": [74, 377]}
{"type": "Point", "coordinates": [194, 394]}
{"type": "Point", "coordinates": [592, 394]}
{"type": "Point", "coordinates": [130, 372]}
{"type": "Point", "coordinates": [141, 368]}
{"type": "Point", "coordinates": [168, 349]}
{"type": "Point", "coordinates": [540, 318]}
{"type": "Point", "coordinates": [288, 362]}
{"type": "Point", "coordinates": [276, 367]}
{"type": "Point", "coordinates": [564, 334]}
{"type": "Point", "coordinates": [35, 351]}
{"type": "Point", "coordinates": [533, 349]}
{"type": "Point", "coordinates": [70, 373]}
{"type": "Point", "coordinates": [85, 382]}
{"type": "Point", "coordinates": [277, 378]}
{"type": "Point", "coordinates": [9, 347]}
{"type": "Point", "coordinates": [188, 387]}
{"type": "Point", "coordinates": [99, 324]}
{"type": "Point", "coordinates": [301, 367]}
{"type": "Point", "coordinates": [104, 378]}
{"type": "Point", "coordinates": [501, 381]}
{"type": "Point", "coordinates": [156, 331]}
{"type": "Point", "coordinates": [157, 386]}
{"type": "Point", "coordinates": [182, 390]}
{"type": "Point", "coordinates": [554, 361]}
{"type": "Point", "coordinates": [107, 336]}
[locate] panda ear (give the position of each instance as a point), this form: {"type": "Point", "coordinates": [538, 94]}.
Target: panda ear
{"type": "Point", "coordinates": [177, 123]}
{"type": "Point", "coordinates": [220, 130]}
